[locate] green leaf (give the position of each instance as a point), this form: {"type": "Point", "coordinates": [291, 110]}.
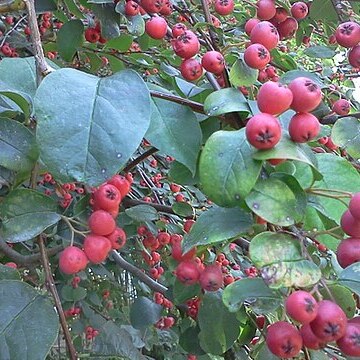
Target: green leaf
{"type": "Point", "coordinates": [29, 324]}
{"type": "Point", "coordinates": [175, 131]}
{"type": "Point", "coordinates": [342, 296]}
{"type": "Point", "coordinates": [18, 150]}
{"type": "Point", "coordinates": [224, 101]}
{"type": "Point", "coordinates": [109, 19]}
{"type": "Point", "coordinates": [293, 74]}
{"type": "Point", "coordinates": [136, 26]}
{"type": "Point", "coordinates": [95, 126]}
{"type": "Point", "coordinates": [349, 277]}
{"type": "Point", "coordinates": [182, 292]}
{"type": "Point", "coordinates": [74, 9]}
{"type": "Point", "coordinates": [142, 213]}
{"type": "Point", "coordinates": [182, 208]}
{"type": "Point", "coordinates": [42, 6]}
{"type": "Point", "coordinates": [323, 10]}
{"type": "Point", "coordinates": [189, 341]}
{"type": "Point", "coordinates": [144, 312]}
{"type": "Point", "coordinates": [269, 247]}
{"type": "Point", "coordinates": [215, 225]}
{"type": "Point", "coordinates": [287, 149]}
{"type": "Point", "coordinates": [348, 179]}
{"type": "Point", "coordinates": [21, 99]}
{"type": "Point", "coordinates": [180, 174]}
{"type": "Point", "coordinates": [253, 291]}
{"type": "Point", "coordinates": [25, 214]}
{"type": "Point", "coordinates": [226, 168]}
{"type": "Point", "coordinates": [346, 133]}
{"type": "Point", "coordinates": [279, 200]}
{"type": "Point", "coordinates": [219, 328]}
{"type": "Point", "coordinates": [319, 51]}
{"type": "Point", "coordinates": [241, 74]}
{"type": "Point", "coordinates": [69, 38]}
{"type": "Point", "coordinates": [121, 43]}
{"type": "Point", "coordinates": [283, 60]}
{"type": "Point", "coordinates": [8, 273]}
{"type": "Point", "coordinates": [69, 293]}
{"type": "Point", "coordinates": [115, 341]}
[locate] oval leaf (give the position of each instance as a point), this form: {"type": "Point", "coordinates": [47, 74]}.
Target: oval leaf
{"type": "Point", "coordinates": [70, 38]}
{"type": "Point", "coordinates": [241, 74]}
{"type": "Point", "coordinates": [321, 52]}
{"type": "Point", "coordinates": [227, 170]}
{"type": "Point", "coordinates": [144, 312]}
{"type": "Point", "coordinates": [142, 213]}
{"type": "Point", "coordinates": [95, 126]}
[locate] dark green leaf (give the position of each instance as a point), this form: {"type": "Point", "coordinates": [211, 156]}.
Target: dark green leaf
{"type": "Point", "coordinates": [121, 43]}
{"type": "Point", "coordinates": [323, 10]}
{"type": "Point", "coordinates": [283, 60]}
{"type": "Point", "coordinates": [144, 312]}
{"type": "Point", "coordinates": [183, 209]}
{"type": "Point", "coordinates": [319, 51]}
{"type": "Point", "coordinates": [219, 328]}
{"type": "Point", "coordinates": [8, 273]}
{"type": "Point", "coordinates": [94, 139]}
{"type": "Point", "coordinates": [215, 225]}
{"type": "Point", "coordinates": [109, 19]}
{"type": "Point", "coordinates": [70, 293]}
{"type": "Point", "coordinates": [142, 213]}
{"type": "Point", "coordinates": [136, 25]}
{"type": "Point", "coordinates": [241, 74]}
{"type": "Point", "coordinates": [18, 150]}
{"type": "Point", "coordinates": [224, 101]}
{"type": "Point", "coordinates": [180, 174]}
{"type": "Point", "coordinates": [189, 341]}
{"type": "Point", "coordinates": [253, 291]}
{"type": "Point", "coordinates": [69, 38]}
{"type": "Point", "coordinates": [21, 99]}
{"type": "Point", "coordinates": [226, 168]}
{"type": "Point", "coordinates": [29, 324]}
{"type": "Point", "coordinates": [349, 277]}
{"type": "Point", "coordinates": [279, 200]}
{"type": "Point", "coordinates": [74, 9]}
{"type": "Point", "coordinates": [183, 292]}
{"type": "Point", "coordinates": [175, 130]}
{"type": "Point", "coordinates": [42, 6]}
{"type": "Point", "coordinates": [346, 133]}
{"type": "Point", "coordinates": [293, 74]}
{"type": "Point", "coordinates": [25, 214]}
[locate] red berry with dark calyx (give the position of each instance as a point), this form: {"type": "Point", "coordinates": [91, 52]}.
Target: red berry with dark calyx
{"type": "Point", "coordinates": [97, 248]}
{"type": "Point", "coordinates": [121, 183]}
{"type": "Point", "coordinates": [256, 56]}
{"type": "Point", "coordinates": [348, 34]}
{"type": "Point", "coordinates": [280, 16]}
{"type": "Point", "coordinates": [299, 10]}
{"type": "Point", "coordinates": [107, 197]}
{"type": "Point", "coordinates": [156, 27]}
{"type": "Point", "coordinates": [310, 340]}
{"type": "Point", "coordinates": [152, 6]}
{"type": "Point", "coordinates": [250, 24]}
{"type": "Point", "coordinates": [354, 56]}
{"type": "Point", "coordinates": [287, 28]}
{"type": "Point", "coordinates": [178, 29]}
{"type": "Point", "coordinates": [306, 94]}
{"type": "Point", "coordinates": [72, 260]}
{"type": "Point", "coordinates": [92, 35]}
{"type": "Point", "coordinates": [330, 322]}
{"type": "Point", "coordinates": [224, 7]}
{"type": "Point", "coordinates": [166, 9]}
{"type": "Point", "coordinates": [348, 252]}
{"type": "Point", "coordinates": [191, 70]}
{"type": "Point", "coordinates": [132, 8]}
{"type": "Point", "coordinates": [163, 238]}
{"type": "Point", "coordinates": [187, 272]}
{"type": "Point", "coordinates": [354, 206]}
{"type": "Point", "coordinates": [274, 98]}
{"type": "Point", "coordinates": [301, 306]}
{"type": "Point", "coordinates": [304, 127]}
{"type": "Point", "coordinates": [349, 344]}
{"type": "Point", "coordinates": [213, 61]}
{"type": "Point", "coordinates": [265, 33]}
{"type": "Point", "coordinates": [176, 252]}
{"type": "Point", "coordinates": [263, 131]}
{"type": "Point", "coordinates": [211, 278]}
{"type": "Point", "coordinates": [350, 225]}
{"type": "Point", "coordinates": [341, 107]}
{"type": "Point", "coordinates": [186, 45]}
{"type": "Point", "coordinates": [101, 223]}
{"type": "Point", "coordinates": [117, 238]}
{"type": "Point", "coordinates": [284, 340]}
{"type": "Point", "coordinates": [265, 9]}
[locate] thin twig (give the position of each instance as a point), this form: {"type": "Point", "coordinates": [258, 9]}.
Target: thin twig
{"type": "Point", "coordinates": [127, 202]}
{"type": "Point", "coordinates": [139, 159]}
{"type": "Point", "coordinates": [11, 30]}
{"type": "Point", "coordinates": [52, 288]}
{"type": "Point", "coordinates": [152, 284]}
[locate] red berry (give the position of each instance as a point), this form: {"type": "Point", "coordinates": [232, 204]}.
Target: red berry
{"type": "Point", "coordinates": [301, 306]}
{"type": "Point", "coordinates": [187, 272]}
{"type": "Point", "coordinates": [178, 29]}
{"type": "Point", "coordinates": [283, 340]}
{"type": "Point", "coordinates": [263, 131]}
{"type": "Point", "coordinates": [186, 45]}
{"type": "Point", "coordinates": [101, 223]}
{"type": "Point", "coordinates": [287, 28]}
{"type": "Point", "coordinates": [348, 34]}
{"type": "Point", "coordinates": [213, 61]}
{"type": "Point", "coordinates": [211, 278]}
{"type": "Point", "coordinates": [303, 127]}
{"type": "Point", "coordinates": [341, 107]}
{"type": "Point", "coordinates": [274, 98]}
{"type": "Point", "coordinates": [299, 10]}
{"type": "Point", "coordinates": [250, 24]}
{"type": "Point", "coordinates": [354, 206]}
{"type": "Point", "coordinates": [256, 56]}
{"type": "Point", "coordinates": [306, 94]}
{"type": "Point", "coordinates": [176, 251]}
{"type": "Point", "coordinates": [188, 225]}
{"type": "Point", "coordinates": [121, 183]}
{"type": "Point", "coordinates": [92, 35]}
{"type": "Point", "coordinates": [175, 188]}
{"type": "Point", "coordinates": [11, 264]}
{"type": "Point", "coordinates": [281, 15]}
{"type": "Point", "coordinates": [309, 339]}
{"type": "Point", "coordinates": [131, 8]}
{"type": "Point", "coordinates": [163, 238]}
{"type": "Point", "coordinates": [348, 252]}
{"type": "Point", "coordinates": [191, 70]}
{"type": "Point", "coordinates": [152, 6]}
{"type": "Point", "coordinates": [330, 322]}
{"type": "Point", "coordinates": [350, 225]}
{"type": "Point", "coordinates": [72, 260]}
{"type": "Point", "coordinates": [156, 27]}
{"type": "Point", "coordinates": [166, 9]}
{"type": "Point", "coordinates": [349, 344]}
{"type": "Point", "coordinates": [265, 33]}
{"type": "Point", "coordinates": [354, 56]}
{"type": "Point", "coordinates": [96, 248]}
{"type": "Point", "coordinates": [224, 7]}
{"type": "Point", "coordinates": [265, 9]}
{"type": "Point", "coordinates": [107, 197]}
{"type": "Point", "coordinates": [117, 238]}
